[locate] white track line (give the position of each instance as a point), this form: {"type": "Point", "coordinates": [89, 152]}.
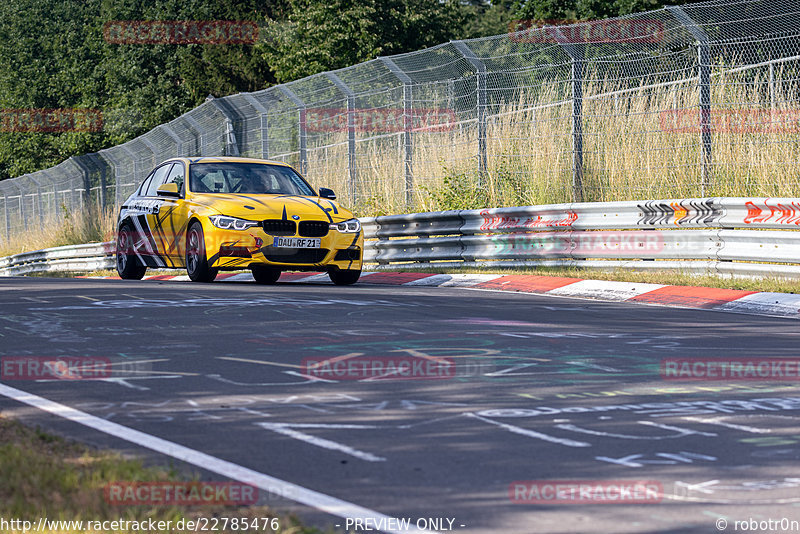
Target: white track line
{"type": "Point", "coordinates": [320, 501]}
{"type": "Point", "coordinates": [604, 289]}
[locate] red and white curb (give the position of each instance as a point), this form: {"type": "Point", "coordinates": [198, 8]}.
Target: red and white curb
{"type": "Point", "coordinates": [707, 298]}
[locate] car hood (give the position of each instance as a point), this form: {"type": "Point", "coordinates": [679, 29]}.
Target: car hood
{"type": "Point", "coordinates": [259, 207]}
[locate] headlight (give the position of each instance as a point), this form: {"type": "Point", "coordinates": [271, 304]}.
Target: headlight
{"type": "Point", "coordinates": [350, 226]}
{"type": "Point", "coordinates": [231, 223]}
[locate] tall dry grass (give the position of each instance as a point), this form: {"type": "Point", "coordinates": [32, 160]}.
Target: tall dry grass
{"type": "Point", "coordinates": [67, 228]}
{"type": "Point", "coordinates": [636, 146]}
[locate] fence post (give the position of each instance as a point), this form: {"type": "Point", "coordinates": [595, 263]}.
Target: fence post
{"type": "Point", "coordinates": [231, 144]}
{"type": "Point", "coordinates": [351, 131]}
{"type": "Point", "coordinates": [53, 210]}
{"type": "Point", "coordinates": [5, 211]}
{"type": "Point", "coordinates": [577, 129]}
{"type": "Point", "coordinates": [87, 185]}
{"type": "Point", "coordinates": [21, 205]}
{"type": "Point", "coordinates": [576, 54]}
{"type": "Point", "coordinates": [102, 168]}
{"type": "Point", "coordinates": [106, 155]}
{"type": "Point", "coordinates": [198, 131]}
{"type": "Point", "coordinates": [38, 200]}
{"type": "Point", "coordinates": [175, 139]}
{"type": "Point", "coordinates": [136, 177]}
{"type": "Point", "coordinates": [55, 196]}
{"type": "Point", "coordinates": [301, 126]}
{"type": "Point", "coordinates": [407, 125]}
{"type": "Point", "coordinates": [262, 115]}
{"type": "Point", "coordinates": [86, 180]}
{"type": "Point", "coordinates": [91, 162]}
{"type": "Point", "coordinates": [151, 147]}
{"type": "Point", "coordinates": [451, 94]}
{"type": "Point", "coordinates": [480, 84]}
{"type": "Point", "coordinates": [772, 86]}
{"type": "Point", "coordinates": [704, 75]}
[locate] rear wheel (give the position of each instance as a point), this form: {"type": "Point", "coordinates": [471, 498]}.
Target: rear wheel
{"type": "Point", "coordinates": [196, 261]}
{"type": "Point", "coordinates": [265, 274]}
{"type": "Point", "coordinates": [129, 266]}
{"type": "Point", "coordinates": [344, 277]}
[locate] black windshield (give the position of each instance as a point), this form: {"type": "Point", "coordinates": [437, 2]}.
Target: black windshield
{"type": "Point", "coordinates": [247, 178]}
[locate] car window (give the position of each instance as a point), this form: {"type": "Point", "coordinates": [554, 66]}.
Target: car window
{"type": "Point", "coordinates": [158, 178]}
{"type": "Point", "coordinates": [247, 178]}
{"type": "Point", "coordinates": [145, 183]}
{"type": "Point", "coordinates": [176, 176]}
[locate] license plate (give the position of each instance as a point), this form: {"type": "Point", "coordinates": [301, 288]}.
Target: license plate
{"type": "Point", "coordinates": [297, 242]}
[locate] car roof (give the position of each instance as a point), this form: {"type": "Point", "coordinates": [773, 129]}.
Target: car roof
{"type": "Point", "coordinates": [226, 159]}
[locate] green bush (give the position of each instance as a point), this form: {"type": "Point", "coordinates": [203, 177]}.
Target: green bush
{"type": "Point", "coordinates": [458, 191]}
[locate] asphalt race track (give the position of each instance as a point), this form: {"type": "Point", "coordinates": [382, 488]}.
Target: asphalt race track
{"type": "Point", "coordinates": [536, 389]}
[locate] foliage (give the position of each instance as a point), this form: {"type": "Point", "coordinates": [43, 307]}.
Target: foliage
{"type": "Point", "coordinates": [53, 55]}
{"type": "Point", "coordinates": [319, 36]}
{"type": "Point", "coordinates": [551, 10]}
{"type": "Point", "coordinates": [459, 190]}
{"type": "Point", "coordinates": [484, 19]}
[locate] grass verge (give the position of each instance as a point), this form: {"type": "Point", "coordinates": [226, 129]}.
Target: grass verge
{"type": "Point", "coordinates": [42, 475]}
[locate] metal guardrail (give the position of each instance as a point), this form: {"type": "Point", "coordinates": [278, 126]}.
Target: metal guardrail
{"type": "Point", "coordinates": [741, 236]}
{"type": "Point", "coordinates": [76, 258]}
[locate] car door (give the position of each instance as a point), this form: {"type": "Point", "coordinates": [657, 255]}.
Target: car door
{"type": "Point", "coordinates": [173, 217]}
{"type": "Point", "coordinates": [153, 227]}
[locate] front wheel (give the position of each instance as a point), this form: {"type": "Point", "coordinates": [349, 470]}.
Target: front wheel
{"type": "Point", "coordinates": [196, 261]}
{"type": "Point", "coordinates": [129, 266]}
{"type": "Point", "coordinates": [265, 274]}
{"type": "Point", "coordinates": [344, 277]}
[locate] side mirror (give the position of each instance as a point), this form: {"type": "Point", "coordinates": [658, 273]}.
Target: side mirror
{"type": "Point", "coordinates": [324, 192]}
{"type": "Point", "coordinates": [168, 190]}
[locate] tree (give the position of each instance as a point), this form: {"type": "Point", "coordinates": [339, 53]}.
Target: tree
{"type": "Point", "coordinates": [53, 55]}
{"type": "Point", "coordinates": [547, 10]}
{"type": "Point", "coordinates": [46, 62]}
{"type": "Point", "coordinates": [320, 36]}
{"type": "Point", "coordinates": [483, 18]}
{"type": "Point", "coordinates": [568, 10]}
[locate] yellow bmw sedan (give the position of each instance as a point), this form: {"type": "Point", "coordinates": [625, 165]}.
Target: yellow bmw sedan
{"type": "Point", "coordinates": [225, 213]}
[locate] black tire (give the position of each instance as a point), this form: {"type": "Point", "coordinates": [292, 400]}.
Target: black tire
{"type": "Point", "coordinates": [196, 261]}
{"type": "Point", "coordinates": [344, 277]}
{"type": "Point", "coordinates": [129, 266]}
{"type": "Point", "coordinates": [265, 274]}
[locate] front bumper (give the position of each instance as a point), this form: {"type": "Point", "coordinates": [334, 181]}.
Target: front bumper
{"type": "Point", "coordinates": [232, 250]}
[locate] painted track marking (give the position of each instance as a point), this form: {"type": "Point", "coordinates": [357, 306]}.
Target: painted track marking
{"type": "Point", "coordinates": [233, 471]}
